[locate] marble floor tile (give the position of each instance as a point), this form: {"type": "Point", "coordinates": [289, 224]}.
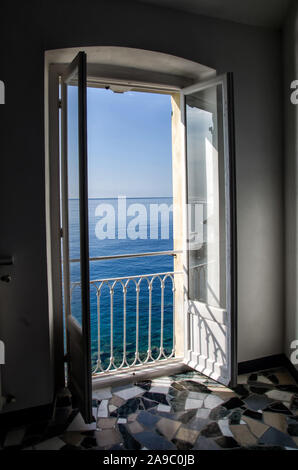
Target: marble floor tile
{"type": "Point", "coordinates": [184, 411]}
{"type": "Point", "coordinates": [225, 428]}
{"type": "Point", "coordinates": [132, 417]}
{"type": "Point", "coordinates": [191, 404]}
{"type": "Point", "coordinates": [108, 437]}
{"type": "Point", "coordinates": [212, 401]}
{"type": "Point", "coordinates": [15, 437]}
{"type": "Point", "coordinates": [285, 378]}
{"type": "Point", "coordinates": [242, 391]}
{"type": "Point", "coordinates": [187, 435]}
{"type": "Point", "coordinates": [256, 427]}
{"type": "Point", "coordinates": [78, 424]}
{"type": "Point", "coordinates": [277, 438]}
{"type": "Point", "coordinates": [116, 401]}
{"type": "Point", "coordinates": [106, 423]}
{"type": "Point", "coordinates": [55, 443]}
{"type": "Point", "coordinates": [159, 397]}
{"type": "Point", "coordinates": [178, 403]}
{"type": "Point", "coordinates": [243, 435]}
{"type": "Point", "coordinates": [154, 441]}
{"type": "Point", "coordinates": [293, 428]}
{"type": "Point", "coordinates": [121, 421]}
{"type": "Point", "coordinates": [253, 414]}
{"type": "Point", "coordinates": [264, 380]}
{"type": "Point", "coordinates": [218, 387]}
{"type": "Point", "coordinates": [135, 427]}
{"type": "Point", "coordinates": [129, 407]}
{"type": "Point", "coordinates": [149, 404]}
{"type": "Point", "coordinates": [280, 408]}
{"type": "Point", "coordinates": [198, 395]}
{"type": "Point", "coordinates": [203, 413]}
{"type": "Point", "coordinates": [168, 427]}
{"type": "Point", "coordinates": [129, 392]}
{"type": "Point", "coordinates": [147, 419]}
{"type": "Point", "coordinates": [193, 386]}
{"type": "Point", "coordinates": [218, 413]}
{"type": "Point", "coordinates": [72, 437]}
{"type": "Point", "coordinates": [94, 412]}
{"type": "Point", "coordinates": [257, 402]}
{"type": "Point", "coordinates": [204, 443]}
{"type": "Point", "coordinates": [129, 441]}
{"type": "Point", "coordinates": [242, 379]}
{"type": "Point", "coordinates": [102, 411]}
{"type": "Point", "coordinates": [226, 442]}
{"type": "Point", "coordinates": [225, 395]}
{"type": "Point", "coordinates": [276, 420]}
{"type": "Point", "coordinates": [89, 442]}
{"type": "Point", "coordinates": [182, 445]}
{"type": "Point", "coordinates": [102, 393]}
{"type": "Point", "coordinates": [159, 389]}
{"type": "Point", "coordinates": [235, 416]}
{"type": "Point", "coordinates": [144, 384]}
{"type": "Point", "coordinates": [163, 381]}
{"type": "Point", "coordinates": [211, 430]}
{"type": "Point", "coordinates": [294, 404]}
{"type": "Point", "coordinates": [178, 386]}
{"type": "Point", "coordinates": [163, 408]}
{"type": "Point", "coordinates": [186, 416]}
{"type": "Point", "coordinates": [198, 423]}
{"type": "Point", "coordinates": [279, 395]}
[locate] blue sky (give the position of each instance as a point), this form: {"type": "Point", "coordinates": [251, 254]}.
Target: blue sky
{"type": "Point", "coordinates": [129, 144]}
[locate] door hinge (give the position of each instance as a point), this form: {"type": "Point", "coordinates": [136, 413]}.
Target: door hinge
{"type": "Point", "coordinates": [61, 232]}
{"type": "Point", "coordinates": [59, 103]}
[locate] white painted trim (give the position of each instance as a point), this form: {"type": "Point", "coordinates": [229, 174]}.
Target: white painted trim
{"type": "Point", "coordinates": [217, 80]}
{"type": "Point", "coordinates": [144, 372]}
{"type": "Point", "coordinates": [169, 73]}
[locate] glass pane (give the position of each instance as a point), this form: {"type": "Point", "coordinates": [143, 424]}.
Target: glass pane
{"type": "Point", "coordinates": [73, 199]}
{"type": "Point", "coordinates": [206, 197]}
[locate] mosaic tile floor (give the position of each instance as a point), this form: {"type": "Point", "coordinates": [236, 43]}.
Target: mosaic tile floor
{"type": "Point", "coordinates": [185, 411]}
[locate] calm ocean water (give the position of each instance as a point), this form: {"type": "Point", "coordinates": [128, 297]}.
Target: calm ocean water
{"type": "Point", "coordinates": [124, 267]}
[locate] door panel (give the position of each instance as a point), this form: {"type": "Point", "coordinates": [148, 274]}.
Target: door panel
{"type": "Point", "coordinates": [75, 233]}
{"type": "Point", "coordinates": [211, 229]}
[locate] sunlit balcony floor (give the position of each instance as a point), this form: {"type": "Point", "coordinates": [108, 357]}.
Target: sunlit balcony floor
{"type": "Point", "coordinates": [183, 411]}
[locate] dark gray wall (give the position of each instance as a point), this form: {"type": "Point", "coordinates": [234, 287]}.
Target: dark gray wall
{"type": "Point", "coordinates": [254, 55]}
{"type": "Point", "coordinates": [291, 166]}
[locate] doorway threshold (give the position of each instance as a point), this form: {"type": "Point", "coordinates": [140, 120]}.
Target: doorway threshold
{"type": "Point", "coordinates": [139, 373]}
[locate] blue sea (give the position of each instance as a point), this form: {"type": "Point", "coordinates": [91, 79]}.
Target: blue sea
{"type": "Point", "coordinates": [105, 269]}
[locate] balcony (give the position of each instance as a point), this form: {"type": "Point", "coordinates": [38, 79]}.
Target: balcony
{"type": "Point", "coordinates": [132, 319]}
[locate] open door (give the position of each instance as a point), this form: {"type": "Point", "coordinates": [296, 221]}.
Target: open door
{"type": "Point", "coordinates": [75, 232]}
{"type": "Point", "coordinates": [210, 257]}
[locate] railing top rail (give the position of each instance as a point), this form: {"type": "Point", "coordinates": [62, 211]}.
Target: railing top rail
{"type": "Point", "coordinates": [140, 276]}
{"type": "Point", "coordinates": [131, 255]}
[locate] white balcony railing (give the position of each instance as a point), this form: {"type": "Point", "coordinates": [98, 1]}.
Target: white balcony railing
{"type": "Point", "coordinates": [138, 282]}
{"type": "Point", "coordinates": [119, 302]}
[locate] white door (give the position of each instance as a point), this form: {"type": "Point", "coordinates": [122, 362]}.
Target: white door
{"type": "Point", "coordinates": [75, 232]}
{"type": "Point", "coordinates": [210, 248]}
